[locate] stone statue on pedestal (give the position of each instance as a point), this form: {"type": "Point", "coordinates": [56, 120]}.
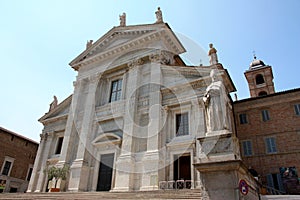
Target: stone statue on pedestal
{"type": "Point", "coordinates": [122, 19]}
{"type": "Point", "coordinates": [215, 100]}
{"type": "Point", "coordinates": [53, 104]}
{"type": "Point", "coordinates": [159, 18]}
{"type": "Point", "coordinates": [212, 53]}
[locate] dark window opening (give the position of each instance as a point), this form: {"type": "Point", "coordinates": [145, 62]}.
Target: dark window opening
{"type": "Point", "coordinates": [297, 109]}
{"type": "Point", "coordinates": [265, 115]}
{"type": "Point", "coordinates": [182, 124]}
{"type": "Point", "coordinates": [271, 145]}
{"type": "Point", "coordinates": [6, 168]}
{"type": "Point", "coordinates": [12, 138]}
{"type": "Point", "coordinates": [116, 90]}
{"type": "Point", "coordinates": [243, 119]}
{"type": "Point", "coordinates": [13, 190]}
{"type": "Point", "coordinates": [29, 174]}
{"type": "Point", "coordinates": [259, 79]}
{"type": "Point", "coordinates": [59, 145]}
{"type": "Point", "coordinates": [262, 93]}
{"type": "Point", "coordinates": [247, 148]}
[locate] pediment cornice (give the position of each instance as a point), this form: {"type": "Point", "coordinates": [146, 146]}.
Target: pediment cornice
{"type": "Point", "coordinates": [138, 37]}
{"type": "Point", "coordinates": [58, 112]}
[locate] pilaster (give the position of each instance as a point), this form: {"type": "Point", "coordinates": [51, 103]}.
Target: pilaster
{"type": "Point", "coordinates": [80, 170]}
{"type": "Point", "coordinates": [151, 160]}
{"type": "Point", "coordinates": [125, 163]}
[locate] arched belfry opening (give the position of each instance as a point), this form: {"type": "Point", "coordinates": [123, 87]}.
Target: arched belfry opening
{"type": "Point", "coordinates": [259, 79]}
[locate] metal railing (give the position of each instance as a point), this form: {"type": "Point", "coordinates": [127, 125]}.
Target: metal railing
{"type": "Point", "coordinates": [273, 191]}
{"type": "Point", "coordinates": [176, 185]}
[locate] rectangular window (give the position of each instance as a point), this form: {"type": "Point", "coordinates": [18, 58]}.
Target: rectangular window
{"type": "Point", "coordinates": [29, 174]}
{"type": "Point", "coordinates": [59, 145]}
{"type": "Point", "coordinates": [297, 109]}
{"type": "Point", "coordinates": [247, 148]}
{"type": "Point", "coordinates": [265, 115]}
{"type": "Point", "coordinates": [243, 119]}
{"type": "Point", "coordinates": [116, 90]}
{"type": "Point", "coordinates": [271, 145]}
{"type": "Point", "coordinates": [182, 124]}
{"type": "Point", "coordinates": [6, 168]}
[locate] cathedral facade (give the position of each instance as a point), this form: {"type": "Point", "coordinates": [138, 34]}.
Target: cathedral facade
{"type": "Point", "coordinates": [136, 116]}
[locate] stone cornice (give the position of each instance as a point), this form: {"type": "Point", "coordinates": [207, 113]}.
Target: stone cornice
{"type": "Point", "coordinates": [163, 33]}
{"type": "Point", "coordinates": [54, 119]}
{"type": "Point", "coordinates": [59, 107]}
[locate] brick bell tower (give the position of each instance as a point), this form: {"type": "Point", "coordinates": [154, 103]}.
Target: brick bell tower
{"type": "Point", "coordinates": [260, 78]}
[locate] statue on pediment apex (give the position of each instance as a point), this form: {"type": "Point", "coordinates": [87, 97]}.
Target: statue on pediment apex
{"type": "Point", "coordinates": [53, 104]}
{"type": "Point", "coordinates": [122, 19]}
{"type": "Point", "coordinates": [159, 18]}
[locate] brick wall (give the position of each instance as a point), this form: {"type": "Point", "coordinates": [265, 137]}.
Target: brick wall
{"type": "Point", "coordinates": [284, 126]}
{"type": "Point", "coordinates": [22, 150]}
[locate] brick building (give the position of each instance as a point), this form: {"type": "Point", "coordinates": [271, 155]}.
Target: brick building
{"type": "Point", "coordinates": [16, 161]}
{"type": "Point", "coordinates": [268, 126]}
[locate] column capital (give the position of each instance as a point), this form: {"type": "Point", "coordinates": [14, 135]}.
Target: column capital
{"type": "Point", "coordinates": [133, 63]}
{"type": "Point", "coordinates": [94, 78]}
{"type": "Point", "coordinates": [162, 57]}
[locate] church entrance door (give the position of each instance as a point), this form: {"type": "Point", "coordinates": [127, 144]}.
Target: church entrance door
{"type": "Point", "coordinates": [182, 167]}
{"type": "Point", "coordinates": [105, 172]}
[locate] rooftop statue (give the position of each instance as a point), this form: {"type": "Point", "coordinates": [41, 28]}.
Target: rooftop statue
{"type": "Point", "coordinates": [212, 53]}
{"type": "Point", "coordinates": [122, 19]}
{"type": "Point", "coordinates": [159, 18]}
{"type": "Point", "coordinates": [53, 104]}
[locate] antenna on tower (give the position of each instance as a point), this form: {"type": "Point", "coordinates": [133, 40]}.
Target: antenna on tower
{"type": "Point", "coordinates": [254, 55]}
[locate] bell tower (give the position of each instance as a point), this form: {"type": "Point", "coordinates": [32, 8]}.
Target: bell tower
{"type": "Point", "coordinates": [260, 78]}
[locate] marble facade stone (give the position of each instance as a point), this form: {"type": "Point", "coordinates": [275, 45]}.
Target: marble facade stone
{"type": "Point", "coordinates": [140, 127]}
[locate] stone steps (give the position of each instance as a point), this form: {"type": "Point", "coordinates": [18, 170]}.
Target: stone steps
{"type": "Point", "coordinates": [161, 194]}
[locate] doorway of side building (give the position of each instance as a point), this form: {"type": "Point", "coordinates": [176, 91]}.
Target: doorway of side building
{"type": "Point", "coordinates": [182, 167]}
{"type": "Point", "coordinates": [105, 172]}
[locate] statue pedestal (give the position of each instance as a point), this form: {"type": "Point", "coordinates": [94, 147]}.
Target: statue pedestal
{"type": "Point", "coordinates": [218, 146]}
{"type": "Point", "coordinates": [221, 168]}
{"type": "Point", "coordinates": [220, 180]}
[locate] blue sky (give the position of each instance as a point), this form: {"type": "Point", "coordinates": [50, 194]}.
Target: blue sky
{"type": "Point", "coordinates": [38, 39]}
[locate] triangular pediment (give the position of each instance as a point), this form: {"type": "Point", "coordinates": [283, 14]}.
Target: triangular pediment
{"type": "Point", "coordinates": [61, 110]}
{"type": "Point", "coordinates": [121, 40]}
{"type": "Point", "coordinates": [107, 139]}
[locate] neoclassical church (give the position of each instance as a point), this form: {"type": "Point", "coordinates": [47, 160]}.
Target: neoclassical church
{"type": "Point", "coordinates": [139, 118]}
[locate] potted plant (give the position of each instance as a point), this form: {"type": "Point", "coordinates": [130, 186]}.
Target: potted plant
{"type": "Point", "coordinates": [57, 178]}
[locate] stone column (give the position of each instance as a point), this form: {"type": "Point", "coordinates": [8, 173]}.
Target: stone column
{"type": "Point", "coordinates": [37, 163]}
{"type": "Point", "coordinates": [125, 163]}
{"type": "Point", "coordinates": [80, 170]}
{"type": "Point", "coordinates": [41, 175]}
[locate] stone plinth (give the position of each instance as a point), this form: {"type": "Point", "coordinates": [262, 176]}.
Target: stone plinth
{"type": "Point", "coordinates": [218, 146]}
{"type": "Point", "coordinates": [220, 180]}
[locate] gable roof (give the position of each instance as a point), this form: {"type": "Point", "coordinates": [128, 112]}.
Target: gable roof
{"type": "Point", "coordinates": [119, 39]}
